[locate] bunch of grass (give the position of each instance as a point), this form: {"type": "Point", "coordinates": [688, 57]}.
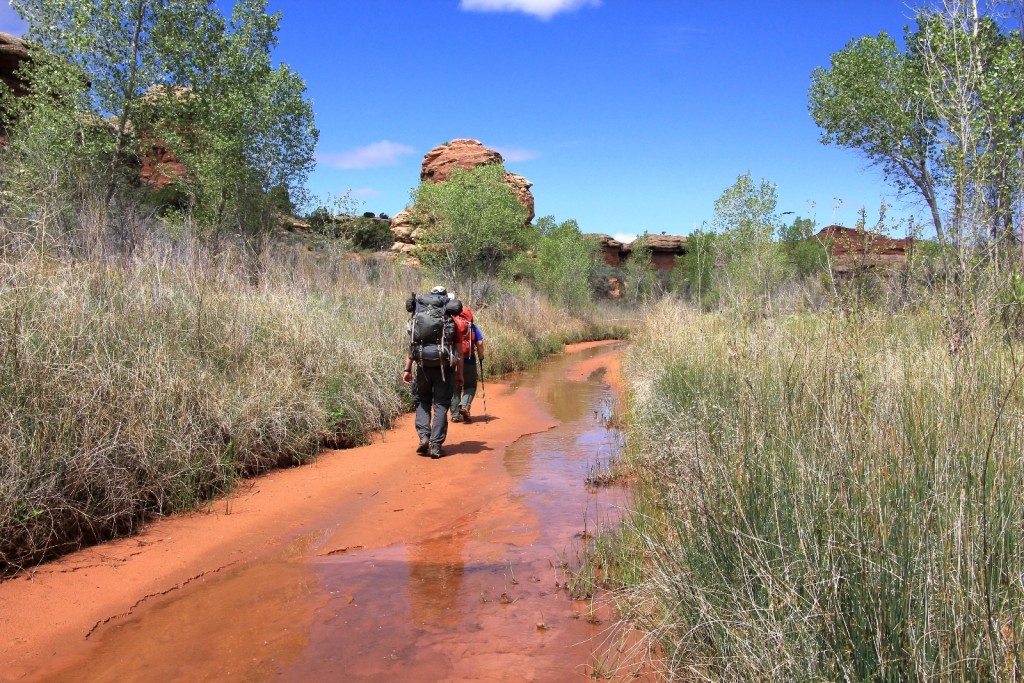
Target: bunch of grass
{"type": "Point", "coordinates": [150, 386]}
{"type": "Point", "coordinates": [826, 498]}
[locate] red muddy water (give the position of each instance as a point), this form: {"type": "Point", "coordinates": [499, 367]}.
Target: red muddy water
{"type": "Point", "coordinates": [372, 565]}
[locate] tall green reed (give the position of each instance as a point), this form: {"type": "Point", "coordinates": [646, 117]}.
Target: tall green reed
{"type": "Point", "coordinates": [827, 498]}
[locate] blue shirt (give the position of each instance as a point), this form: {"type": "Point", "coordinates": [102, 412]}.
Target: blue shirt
{"type": "Point", "coordinates": [478, 336]}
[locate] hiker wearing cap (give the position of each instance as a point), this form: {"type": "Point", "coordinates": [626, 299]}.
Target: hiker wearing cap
{"type": "Point", "coordinates": [432, 349]}
{"type": "Point", "coordinates": [471, 347]}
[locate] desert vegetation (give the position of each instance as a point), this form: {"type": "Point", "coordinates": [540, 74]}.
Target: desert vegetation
{"type": "Point", "coordinates": [160, 341]}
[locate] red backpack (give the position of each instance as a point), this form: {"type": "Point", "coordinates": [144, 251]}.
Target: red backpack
{"type": "Point", "coordinates": [464, 331]}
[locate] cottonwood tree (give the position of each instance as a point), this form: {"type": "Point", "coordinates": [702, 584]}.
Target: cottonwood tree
{"type": "Point", "coordinates": [944, 116]}
{"type": "Point", "coordinates": [974, 78]}
{"type": "Point", "coordinates": [244, 128]}
{"type": "Point", "coordinates": [566, 261]}
{"type": "Point", "coordinates": [872, 99]}
{"type": "Point", "coordinates": [750, 262]}
{"type": "Point", "coordinates": [472, 223]}
{"type": "Point", "coordinates": [176, 72]}
{"type": "Point", "coordinates": [697, 266]}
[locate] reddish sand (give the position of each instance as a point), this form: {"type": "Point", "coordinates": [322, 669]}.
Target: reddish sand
{"type": "Point", "coordinates": [383, 492]}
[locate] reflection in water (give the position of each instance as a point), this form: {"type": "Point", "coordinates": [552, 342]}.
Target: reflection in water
{"type": "Point", "coordinates": [436, 567]}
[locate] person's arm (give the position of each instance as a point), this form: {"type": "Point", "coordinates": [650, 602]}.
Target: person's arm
{"type": "Point", "coordinates": [480, 349]}
{"type": "Point", "coordinates": [407, 375]}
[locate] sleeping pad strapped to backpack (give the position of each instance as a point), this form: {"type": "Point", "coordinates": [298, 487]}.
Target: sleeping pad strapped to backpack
{"type": "Point", "coordinates": [432, 331]}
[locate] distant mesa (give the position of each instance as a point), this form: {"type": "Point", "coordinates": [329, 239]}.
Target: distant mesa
{"type": "Point", "coordinates": [852, 250]}
{"type": "Point", "coordinates": [664, 249]}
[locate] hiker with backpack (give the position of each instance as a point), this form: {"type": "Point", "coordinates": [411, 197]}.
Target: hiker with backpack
{"type": "Point", "coordinates": [471, 347]}
{"type": "Point", "coordinates": [432, 347]}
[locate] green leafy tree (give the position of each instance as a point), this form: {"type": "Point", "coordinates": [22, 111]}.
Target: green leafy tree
{"type": "Point", "coordinates": [117, 48]}
{"type": "Point", "coordinates": [369, 233]}
{"type": "Point", "coordinates": [806, 254]}
{"type": "Point", "coordinates": [52, 155]}
{"type": "Point", "coordinates": [872, 99]}
{"type": "Point", "coordinates": [697, 266]}
{"type": "Point", "coordinates": [640, 281]}
{"type": "Point", "coordinates": [172, 72]}
{"type": "Point", "coordinates": [245, 126]}
{"type": "Point", "coordinates": [974, 77]}
{"type": "Point", "coordinates": [566, 262]}
{"type": "Point", "coordinates": [945, 116]}
{"type": "Point", "coordinates": [750, 263]}
{"type": "Point", "coordinates": [473, 224]}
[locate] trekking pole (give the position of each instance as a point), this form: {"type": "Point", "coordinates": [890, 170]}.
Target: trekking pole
{"type": "Point", "coordinates": [483, 389]}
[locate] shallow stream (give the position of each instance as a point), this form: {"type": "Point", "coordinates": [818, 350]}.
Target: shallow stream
{"type": "Point", "coordinates": [484, 599]}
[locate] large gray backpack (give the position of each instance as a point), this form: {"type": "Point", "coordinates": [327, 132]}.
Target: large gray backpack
{"type": "Point", "coordinates": [432, 330]}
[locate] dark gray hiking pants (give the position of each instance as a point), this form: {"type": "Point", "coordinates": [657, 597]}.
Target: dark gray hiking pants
{"type": "Point", "coordinates": [464, 396]}
{"type": "Point", "coordinates": [433, 394]}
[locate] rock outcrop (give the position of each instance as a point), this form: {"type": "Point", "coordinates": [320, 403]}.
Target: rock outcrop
{"type": "Point", "coordinates": [13, 51]}
{"type": "Point", "coordinates": [854, 250]}
{"type": "Point", "coordinates": [404, 227]}
{"type": "Point", "coordinates": [159, 167]}
{"type": "Point", "coordinates": [464, 154]}
{"type": "Point", "coordinates": [467, 154]}
{"type": "Point", "coordinates": [664, 249]}
{"type": "Point", "coordinates": [521, 186]}
{"type": "Point", "coordinates": [611, 249]}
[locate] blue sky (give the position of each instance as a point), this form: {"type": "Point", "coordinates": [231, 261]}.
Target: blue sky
{"type": "Point", "coordinates": [626, 115]}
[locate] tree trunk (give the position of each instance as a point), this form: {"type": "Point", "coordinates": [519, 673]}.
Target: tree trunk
{"type": "Point", "coordinates": [128, 99]}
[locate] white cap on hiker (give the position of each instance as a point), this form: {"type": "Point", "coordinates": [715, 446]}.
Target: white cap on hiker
{"type": "Point", "coordinates": [439, 290]}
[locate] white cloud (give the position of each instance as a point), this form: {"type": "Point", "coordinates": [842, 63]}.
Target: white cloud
{"type": "Point", "coordinates": [516, 153]}
{"type": "Point", "coordinates": [543, 9]}
{"type": "Point", "coordinates": [624, 237]}
{"type": "Point", "coordinates": [10, 22]}
{"type": "Point", "coordinates": [374, 155]}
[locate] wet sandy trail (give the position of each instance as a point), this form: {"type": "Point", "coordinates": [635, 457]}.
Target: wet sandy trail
{"type": "Point", "coordinates": [371, 564]}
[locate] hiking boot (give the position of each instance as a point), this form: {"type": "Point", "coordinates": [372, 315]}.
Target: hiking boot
{"type": "Point", "coordinates": [464, 414]}
{"type": "Point", "coordinates": [424, 446]}
{"type": "Point", "coordinates": [456, 416]}
{"type": "Point", "coordinates": [435, 451]}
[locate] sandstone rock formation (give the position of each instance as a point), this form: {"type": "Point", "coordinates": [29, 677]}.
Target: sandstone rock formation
{"type": "Point", "coordinates": [521, 186]}
{"type": "Point", "coordinates": [664, 250]}
{"type": "Point", "coordinates": [854, 250]}
{"type": "Point", "coordinates": [160, 167]}
{"type": "Point", "coordinates": [463, 153]}
{"type": "Point", "coordinates": [403, 227]}
{"type": "Point", "coordinates": [467, 154]}
{"type": "Point", "coordinates": [611, 249]}
{"type": "Point", "coordinates": [13, 51]}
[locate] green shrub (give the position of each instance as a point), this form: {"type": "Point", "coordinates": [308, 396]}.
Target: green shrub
{"type": "Point", "coordinates": [370, 234]}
